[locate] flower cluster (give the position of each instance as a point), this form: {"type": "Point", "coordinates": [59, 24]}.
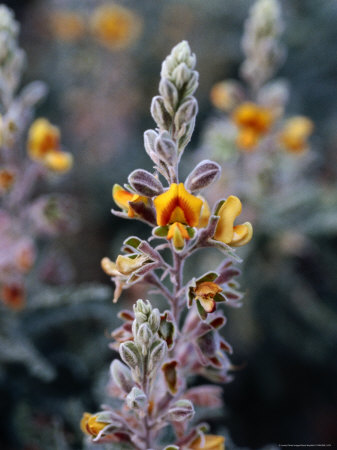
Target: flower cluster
{"type": "Point", "coordinates": [161, 351]}
{"type": "Point", "coordinates": [257, 114]}
{"type": "Point", "coordinates": [25, 158]}
{"type": "Point", "coordinates": [115, 27]}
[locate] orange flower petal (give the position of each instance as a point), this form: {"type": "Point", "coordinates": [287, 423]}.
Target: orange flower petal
{"type": "Point", "coordinates": [190, 204]}
{"type": "Point", "coordinates": [165, 204]}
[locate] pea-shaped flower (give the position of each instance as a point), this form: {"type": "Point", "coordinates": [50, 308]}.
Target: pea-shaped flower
{"type": "Point", "coordinates": [178, 212]}
{"type": "Point", "coordinates": [226, 231]}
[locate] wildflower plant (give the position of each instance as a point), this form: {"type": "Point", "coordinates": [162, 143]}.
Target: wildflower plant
{"type": "Point", "coordinates": [162, 351]}
{"type": "Point", "coordinates": [30, 154]}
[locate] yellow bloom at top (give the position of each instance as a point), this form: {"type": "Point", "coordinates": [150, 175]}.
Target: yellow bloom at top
{"type": "Point", "coordinates": [253, 122]}
{"type": "Point", "coordinates": [44, 146]}
{"type": "Point", "coordinates": [226, 232]}
{"type": "Point", "coordinates": [43, 138]}
{"type": "Point", "coordinates": [114, 26]}
{"type": "Point", "coordinates": [90, 425]}
{"type": "Point", "coordinates": [212, 442]}
{"type": "Point", "coordinates": [67, 25]}
{"type": "Point", "coordinates": [178, 205]}
{"type": "Point", "coordinates": [295, 134]}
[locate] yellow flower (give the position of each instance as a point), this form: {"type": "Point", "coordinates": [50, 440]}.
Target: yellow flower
{"type": "Point", "coordinates": [90, 425]}
{"type": "Point", "coordinates": [59, 161]}
{"type": "Point", "coordinates": [224, 95]}
{"type": "Point", "coordinates": [67, 25]}
{"type": "Point", "coordinates": [253, 122]}
{"type": "Point", "coordinates": [114, 26]}
{"type": "Point", "coordinates": [43, 138]}
{"type": "Point", "coordinates": [178, 205]}
{"type": "Point", "coordinates": [226, 232]}
{"type": "Point", "coordinates": [295, 134]}
{"type": "Point", "coordinates": [178, 208]}
{"type": "Point", "coordinates": [122, 198]}
{"type": "Point", "coordinates": [212, 442]}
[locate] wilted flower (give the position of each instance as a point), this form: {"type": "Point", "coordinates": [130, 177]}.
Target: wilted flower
{"type": "Point", "coordinates": [114, 26]}
{"type": "Point", "coordinates": [253, 122]}
{"type": "Point", "coordinates": [226, 232]}
{"type": "Point", "coordinates": [208, 442]}
{"type": "Point", "coordinates": [295, 133]}
{"type": "Point", "coordinates": [67, 25]}
{"type": "Point", "coordinates": [206, 293]}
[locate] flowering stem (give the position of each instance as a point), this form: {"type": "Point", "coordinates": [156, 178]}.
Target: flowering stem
{"type": "Point", "coordinates": [178, 262]}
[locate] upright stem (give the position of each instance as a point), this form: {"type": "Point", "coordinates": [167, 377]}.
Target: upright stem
{"type": "Point", "coordinates": [178, 262]}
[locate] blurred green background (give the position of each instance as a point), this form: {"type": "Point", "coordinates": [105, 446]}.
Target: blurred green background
{"type": "Point", "coordinates": [285, 335]}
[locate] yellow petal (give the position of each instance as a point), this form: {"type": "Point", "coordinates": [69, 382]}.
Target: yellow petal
{"type": "Point", "coordinates": [205, 213]}
{"type": "Point", "coordinates": [228, 212]}
{"type": "Point", "coordinates": [109, 267]}
{"type": "Point", "coordinates": [43, 137]}
{"type": "Point", "coordinates": [58, 161]}
{"type": "Point", "coordinates": [295, 133]}
{"type": "Point", "coordinates": [84, 422]}
{"type": "Point", "coordinates": [208, 304]}
{"type": "Point", "coordinates": [247, 139]}
{"type": "Point", "coordinates": [190, 204]}
{"type": "Point", "coordinates": [253, 116]}
{"type": "Point", "coordinates": [126, 265]}
{"type": "Point", "coordinates": [242, 234]}
{"type": "Point", "coordinates": [165, 204]}
{"type": "Point", "coordinates": [212, 442]}
{"type": "Point", "coordinates": [121, 197]}
{"type": "Point", "coordinates": [207, 289]}
{"type": "Point", "coordinates": [178, 233]}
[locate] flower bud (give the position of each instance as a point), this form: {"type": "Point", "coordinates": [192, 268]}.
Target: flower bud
{"type": "Point", "coordinates": [181, 74]}
{"type": "Point", "coordinates": [170, 94]}
{"type": "Point", "coordinates": [144, 337]}
{"type": "Point", "coordinates": [150, 137]}
{"type": "Point", "coordinates": [159, 113]}
{"type": "Point", "coordinates": [136, 399]}
{"type": "Point", "coordinates": [145, 183]}
{"type": "Point", "coordinates": [142, 307]}
{"type": "Point", "coordinates": [130, 354]}
{"type": "Point", "coordinates": [166, 148]}
{"type": "Point", "coordinates": [204, 174]}
{"type": "Point", "coordinates": [121, 375]}
{"type": "Point", "coordinates": [186, 112]}
{"type": "Point", "coordinates": [181, 410]}
{"type": "Point", "coordinates": [157, 354]}
{"type": "Point", "coordinates": [154, 320]}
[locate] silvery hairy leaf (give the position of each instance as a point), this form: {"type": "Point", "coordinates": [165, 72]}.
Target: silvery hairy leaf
{"type": "Point", "coordinates": [204, 174]}
{"type": "Point", "coordinates": [130, 354]}
{"type": "Point", "coordinates": [170, 95]}
{"type": "Point", "coordinates": [121, 375]}
{"type": "Point", "coordinates": [180, 411]}
{"type": "Point", "coordinates": [136, 399]}
{"type": "Point", "coordinates": [186, 112]}
{"type": "Point", "coordinates": [166, 148]}
{"type": "Point", "coordinates": [144, 183]}
{"type": "Point", "coordinates": [157, 355]}
{"type": "Point", "coordinates": [159, 113]}
{"type": "Point", "coordinates": [144, 337]}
